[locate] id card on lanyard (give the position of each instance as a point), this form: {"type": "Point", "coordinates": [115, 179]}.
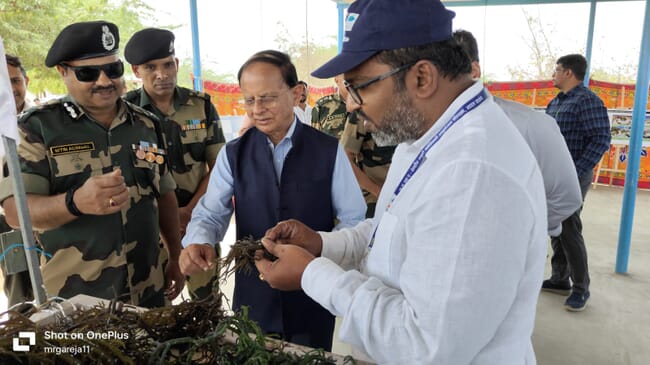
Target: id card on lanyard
{"type": "Point", "coordinates": [470, 105]}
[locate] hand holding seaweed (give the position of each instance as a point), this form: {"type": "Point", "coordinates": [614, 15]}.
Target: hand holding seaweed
{"type": "Point", "coordinates": [242, 253]}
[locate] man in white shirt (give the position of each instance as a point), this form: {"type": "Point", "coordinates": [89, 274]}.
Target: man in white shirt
{"type": "Point", "coordinates": [303, 109]}
{"type": "Point", "coordinates": [449, 269]}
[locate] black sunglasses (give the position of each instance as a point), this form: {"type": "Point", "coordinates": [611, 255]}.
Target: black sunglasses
{"type": "Point", "coordinates": [113, 70]}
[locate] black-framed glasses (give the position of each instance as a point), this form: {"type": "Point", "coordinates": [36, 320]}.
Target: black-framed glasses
{"type": "Point", "coordinates": [112, 70]}
{"type": "Point", "coordinates": [354, 90]}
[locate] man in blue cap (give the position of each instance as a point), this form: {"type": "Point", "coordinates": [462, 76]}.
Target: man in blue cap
{"type": "Point", "coordinates": [448, 270]}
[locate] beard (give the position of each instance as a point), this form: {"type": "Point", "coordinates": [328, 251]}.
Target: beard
{"type": "Point", "coordinates": [401, 123]}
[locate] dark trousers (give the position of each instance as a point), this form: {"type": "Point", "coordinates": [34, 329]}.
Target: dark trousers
{"type": "Point", "coordinates": [569, 258]}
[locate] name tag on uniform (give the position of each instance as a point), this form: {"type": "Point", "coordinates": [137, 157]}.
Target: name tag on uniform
{"type": "Point", "coordinates": [72, 148]}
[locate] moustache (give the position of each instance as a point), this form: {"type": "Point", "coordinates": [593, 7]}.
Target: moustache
{"type": "Point", "coordinates": [103, 88]}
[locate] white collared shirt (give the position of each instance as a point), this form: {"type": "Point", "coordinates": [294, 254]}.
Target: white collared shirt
{"type": "Point", "coordinates": [303, 115]}
{"type": "Point", "coordinates": [454, 274]}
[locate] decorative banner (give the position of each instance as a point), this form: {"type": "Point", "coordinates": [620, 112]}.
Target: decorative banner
{"type": "Point", "coordinates": [611, 169]}
{"type": "Point", "coordinates": [226, 97]}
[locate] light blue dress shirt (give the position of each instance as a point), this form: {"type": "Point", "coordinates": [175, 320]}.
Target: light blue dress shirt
{"type": "Point", "coordinates": [211, 216]}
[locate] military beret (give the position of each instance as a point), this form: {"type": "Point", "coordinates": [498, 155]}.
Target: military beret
{"type": "Point", "coordinates": [149, 44]}
{"type": "Point", "coordinates": [84, 40]}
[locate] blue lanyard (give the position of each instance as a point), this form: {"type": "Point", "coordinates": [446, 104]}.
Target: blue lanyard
{"type": "Point", "coordinates": [470, 105]}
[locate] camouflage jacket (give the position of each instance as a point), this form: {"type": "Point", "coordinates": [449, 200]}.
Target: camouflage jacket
{"type": "Point", "coordinates": [106, 256]}
{"type": "Point", "coordinates": [329, 115]}
{"type": "Point", "coordinates": [372, 159]}
{"type": "Point", "coordinates": [194, 136]}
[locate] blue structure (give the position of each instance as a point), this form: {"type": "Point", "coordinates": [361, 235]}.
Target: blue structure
{"type": "Point", "coordinates": [634, 153]}
{"type": "Point", "coordinates": [196, 53]}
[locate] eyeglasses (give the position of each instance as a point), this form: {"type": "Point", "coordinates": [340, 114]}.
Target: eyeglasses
{"type": "Point", "coordinates": [354, 90]}
{"type": "Point", "coordinates": [265, 101]}
{"type": "Point", "coordinates": [113, 70]}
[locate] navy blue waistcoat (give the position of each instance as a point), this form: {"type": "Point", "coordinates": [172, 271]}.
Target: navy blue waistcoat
{"type": "Point", "coordinates": [303, 193]}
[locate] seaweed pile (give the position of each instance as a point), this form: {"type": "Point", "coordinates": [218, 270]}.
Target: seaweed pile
{"type": "Point", "coordinates": [198, 332]}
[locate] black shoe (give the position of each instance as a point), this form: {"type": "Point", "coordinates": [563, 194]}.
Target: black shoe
{"type": "Point", "coordinates": [576, 302]}
{"type": "Point", "coordinates": [551, 287]}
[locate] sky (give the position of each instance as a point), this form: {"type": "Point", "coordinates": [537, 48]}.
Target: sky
{"type": "Point", "coordinates": [231, 31]}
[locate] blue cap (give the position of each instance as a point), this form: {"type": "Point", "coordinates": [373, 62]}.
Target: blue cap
{"type": "Point", "coordinates": [373, 26]}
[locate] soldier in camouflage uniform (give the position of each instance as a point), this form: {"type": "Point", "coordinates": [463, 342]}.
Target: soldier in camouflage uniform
{"type": "Point", "coordinates": [191, 124]}
{"type": "Point", "coordinates": [370, 162]}
{"type": "Point", "coordinates": [329, 114]}
{"type": "Point", "coordinates": [97, 189]}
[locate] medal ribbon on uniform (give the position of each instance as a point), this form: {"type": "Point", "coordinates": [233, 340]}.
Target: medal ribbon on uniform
{"type": "Point", "coordinates": [149, 152]}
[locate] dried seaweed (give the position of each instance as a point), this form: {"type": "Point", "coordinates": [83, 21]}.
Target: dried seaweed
{"type": "Point", "coordinates": [196, 332]}
{"type": "Point", "coordinates": [242, 254]}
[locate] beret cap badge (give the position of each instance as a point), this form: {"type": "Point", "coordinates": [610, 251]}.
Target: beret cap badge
{"type": "Point", "coordinates": [108, 39]}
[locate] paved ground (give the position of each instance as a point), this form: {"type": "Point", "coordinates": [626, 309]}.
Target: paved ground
{"type": "Point", "coordinates": [615, 327]}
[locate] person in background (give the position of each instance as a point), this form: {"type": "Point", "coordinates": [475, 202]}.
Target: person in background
{"type": "Point", "coordinates": [191, 124]}
{"type": "Point", "coordinates": [330, 114]}
{"type": "Point", "coordinates": [583, 120]}
{"type": "Point", "coordinates": [19, 82]}
{"type": "Point", "coordinates": [303, 109]}
{"type": "Point", "coordinates": [17, 287]}
{"type": "Point", "coordinates": [430, 279]}
{"type": "Point", "coordinates": [280, 169]}
{"type": "Point", "coordinates": [97, 190]}
{"type": "Point", "coordinates": [545, 140]}
{"type": "Point", "coordinates": [370, 162]}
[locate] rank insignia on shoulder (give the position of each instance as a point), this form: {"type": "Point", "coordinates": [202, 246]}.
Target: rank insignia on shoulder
{"type": "Point", "coordinates": [72, 109]}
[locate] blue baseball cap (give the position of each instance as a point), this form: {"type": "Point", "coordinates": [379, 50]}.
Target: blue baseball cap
{"type": "Point", "coordinates": [373, 26]}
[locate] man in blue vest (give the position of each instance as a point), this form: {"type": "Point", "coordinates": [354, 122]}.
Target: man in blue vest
{"type": "Point", "coordinates": [277, 170]}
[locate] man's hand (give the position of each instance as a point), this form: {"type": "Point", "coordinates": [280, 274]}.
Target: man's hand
{"type": "Point", "coordinates": [294, 232]}
{"type": "Point", "coordinates": [285, 273]}
{"type": "Point", "coordinates": [197, 257]}
{"type": "Point", "coordinates": [103, 194]}
{"type": "Point", "coordinates": [184, 216]}
{"type": "Point", "coordinates": [174, 280]}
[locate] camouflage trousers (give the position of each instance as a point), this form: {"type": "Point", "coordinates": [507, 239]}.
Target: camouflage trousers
{"type": "Point", "coordinates": [204, 283]}
{"type": "Point", "coordinates": [18, 288]}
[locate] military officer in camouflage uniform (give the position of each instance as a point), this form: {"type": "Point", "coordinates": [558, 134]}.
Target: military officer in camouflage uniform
{"type": "Point", "coordinates": [369, 162]}
{"type": "Point", "coordinates": [329, 114]}
{"type": "Point", "coordinates": [94, 173]}
{"type": "Point", "coordinates": [191, 124]}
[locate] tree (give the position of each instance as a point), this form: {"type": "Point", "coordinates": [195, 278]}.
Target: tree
{"type": "Point", "coordinates": [28, 28]}
{"type": "Point", "coordinates": [306, 54]}
{"type": "Point", "coordinates": [542, 56]}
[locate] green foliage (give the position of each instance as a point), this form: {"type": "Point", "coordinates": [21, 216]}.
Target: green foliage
{"type": "Point", "coordinates": [306, 55]}
{"type": "Point", "coordinates": [622, 74]}
{"type": "Point", "coordinates": [28, 28]}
